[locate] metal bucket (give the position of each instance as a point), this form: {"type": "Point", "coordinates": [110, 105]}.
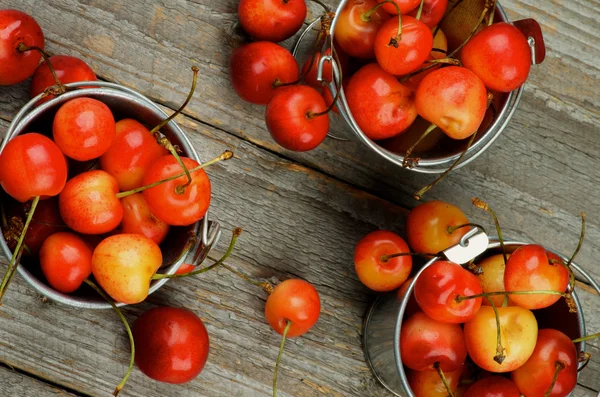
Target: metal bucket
{"type": "Point", "coordinates": [444, 151]}
{"type": "Point", "coordinates": [382, 324]}
{"type": "Point", "coordinates": [124, 103]}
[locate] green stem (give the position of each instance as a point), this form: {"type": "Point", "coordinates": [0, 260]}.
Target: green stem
{"type": "Point", "coordinates": [437, 367]}
{"type": "Point", "coordinates": [281, 346]}
{"type": "Point", "coordinates": [500, 356]}
{"type": "Point", "coordinates": [558, 366]}
{"type": "Point", "coordinates": [407, 162]}
{"type": "Point", "coordinates": [420, 10]}
{"type": "Point", "coordinates": [486, 207]}
{"type": "Point", "coordinates": [366, 17]}
{"type": "Point", "coordinates": [492, 14]}
{"type": "Point", "coordinates": [461, 298]}
{"type": "Point", "coordinates": [22, 47]}
{"type": "Point", "coordinates": [581, 238]}
{"type": "Point", "coordinates": [447, 60]}
{"type": "Point", "coordinates": [386, 258]}
{"type": "Point", "coordinates": [586, 338]}
{"type": "Point", "coordinates": [486, 9]}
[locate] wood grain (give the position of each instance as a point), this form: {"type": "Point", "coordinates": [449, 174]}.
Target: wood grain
{"type": "Point", "coordinates": [16, 384]}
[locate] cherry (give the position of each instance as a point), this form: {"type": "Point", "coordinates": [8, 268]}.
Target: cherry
{"type": "Point", "coordinates": [433, 12]}
{"type": "Point", "coordinates": [425, 342]}
{"type": "Point", "coordinates": [68, 69]}
{"type": "Point", "coordinates": [554, 355]}
{"type": "Point", "coordinates": [529, 269]}
{"type": "Point", "coordinates": [438, 286]}
{"type": "Point", "coordinates": [131, 154]}
{"type": "Point", "coordinates": [138, 219]}
{"type": "Point", "coordinates": [372, 265]}
{"type": "Point", "coordinates": [493, 386]}
{"type": "Point", "coordinates": [17, 31]}
{"type": "Point", "coordinates": [429, 383]}
{"type": "Point", "coordinates": [66, 260]}
{"type": "Point", "coordinates": [412, 306]}
{"type": "Point", "coordinates": [357, 27]}
{"type": "Point", "coordinates": [84, 128]}
{"type": "Point", "coordinates": [272, 20]}
{"type": "Point", "coordinates": [296, 117]}
{"type": "Point", "coordinates": [492, 278]}
{"type": "Point", "coordinates": [433, 226]}
{"type": "Point", "coordinates": [499, 55]}
{"type": "Point", "coordinates": [400, 51]}
{"type": "Point", "coordinates": [405, 6]}
{"type": "Point", "coordinates": [172, 344]}
{"type": "Point", "coordinates": [454, 99]}
{"type": "Point", "coordinates": [439, 51]}
{"type": "Point", "coordinates": [381, 106]}
{"type": "Point", "coordinates": [256, 69]}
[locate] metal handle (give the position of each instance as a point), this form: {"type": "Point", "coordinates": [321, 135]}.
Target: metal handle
{"type": "Point", "coordinates": [533, 32]}
{"type": "Point", "coordinates": [202, 246]}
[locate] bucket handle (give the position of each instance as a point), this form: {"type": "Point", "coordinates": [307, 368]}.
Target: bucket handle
{"type": "Point", "coordinates": [535, 38]}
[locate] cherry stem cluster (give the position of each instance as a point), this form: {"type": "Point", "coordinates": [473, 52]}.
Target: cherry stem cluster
{"type": "Point", "coordinates": [366, 17]}
{"type": "Point", "coordinates": [558, 366]}
{"type": "Point", "coordinates": [281, 347]}
{"type": "Point", "coordinates": [127, 328]}
{"type": "Point", "coordinates": [16, 257]}
{"type": "Point", "coordinates": [482, 205]}
{"type": "Point", "coordinates": [22, 47]}
{"type": "Point", "coordinates": [437, 367]}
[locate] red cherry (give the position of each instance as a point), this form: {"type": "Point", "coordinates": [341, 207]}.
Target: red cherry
{"type": "Point", "coordinates": [132, 152]}
{"type": "Point", "coordinates": [185, 268]}
{"type": "Point", "coordinates": [66, 260]}
{"type": "Point", "coordinates": [16, 27]}
{"type": "Point", "coordinates": [381, 106]}
{"type": "Point", "coordinates": [68, 70]}
{"type": "Point", "coordinates": [429, 383]}
{"type": "Point", "coordinates": [356, 29]}
{"type": "Point", "coordinates": [255, 70]}
{"type": "Point", "coordinates": [296, 301]}
{"type": "Point", "coordinates": [171, 344]}
{"type": "Point", "coordinates": [138, 219]}
{"type": "Point", "coordinates": [294, 120]}
{"type": "Point", "coordinates": [405, 6]}
{"type": "Point", "coordinates": [84, 128]}
{"type": "Point", "coordinates": [406, 54]}
{"type": "Point", "coordinates": [433, 12]}
{"type": "Point", "coordinates": [164, 200]}
{"type": "Point", "coordinates": [493, 386]}
{"type": "Point", "coordinates": [32, 165]}
{"type": "Point", "coordinates": [499, 55]}
{"type": "Point", "coordinates": [440, 42]}
{"type": "Point", "coordinates": [373, 269]}
{"type": "Point", "coordinates": [454, 99]}
{"type": "Point", "coordinates": [272, 20]}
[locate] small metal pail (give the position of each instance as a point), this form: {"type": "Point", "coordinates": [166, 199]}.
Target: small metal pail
{"type": "Point", "coordinates": [124, 103]}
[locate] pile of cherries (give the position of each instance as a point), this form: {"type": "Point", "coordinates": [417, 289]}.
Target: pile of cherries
{"type": "Point", "coordinates": [473, 330]}
{"type": "Point", "coordinates": [93, 198]}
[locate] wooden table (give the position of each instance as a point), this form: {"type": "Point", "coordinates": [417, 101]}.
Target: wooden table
{"type": "Point", "coordinates": [302, 213]}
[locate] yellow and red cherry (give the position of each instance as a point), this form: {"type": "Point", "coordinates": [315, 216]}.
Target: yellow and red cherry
{"type": "Point", "coordinates": [429, 383]}
{"type": "Point", "coordinates": [295, 301]}
{"type": "Point", "coordinates": [357, 26]}
{"type": "Point", "coordinates": [491, 279]}
{"type": "Point", "coordinates": [138, 219]}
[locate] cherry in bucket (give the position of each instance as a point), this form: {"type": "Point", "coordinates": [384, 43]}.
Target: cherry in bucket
{"type": "Point", "coordinates": [138, 219]}
{"type": "Point", "coordinates": [271, 20]}
{"type": "Point", "coordinates": [68, 69]}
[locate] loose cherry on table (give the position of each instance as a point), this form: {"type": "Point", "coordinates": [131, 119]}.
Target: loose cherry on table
{"type": "Point", "coordinates": [68, 69]}
{"type": "Point", "coordinates": [271, 20]}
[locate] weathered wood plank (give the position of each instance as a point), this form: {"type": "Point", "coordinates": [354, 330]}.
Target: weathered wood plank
{"type": "Point", "coordinates": [16, 384]}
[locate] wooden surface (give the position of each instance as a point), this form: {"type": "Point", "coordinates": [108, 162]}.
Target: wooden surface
{"type": "Point", "coordinates": [302, 213]}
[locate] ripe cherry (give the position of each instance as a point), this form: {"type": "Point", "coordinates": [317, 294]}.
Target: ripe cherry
{"type": "Point", "coordinates": [357, 27]}
{"type": "Point", "coordinates": [429, 383]}
{"type": "Point", "coordinates": [403, 51]}
{"type": "Point", "coordinates": [405, 6]}
{"type": "Point", "coordinates": [256, 69]}
{"type": "Point", "coordinates": [138, 219]}
{"type": "Point", "coordinates": [493, 386]}
{"type": "Point", "coordinates": [499, 55]}
{"type": "Point", "coordinates": [66, 260]}
{"type": "Point", "coordinates": [172, 344]}
{"type": "Point", "coordinates": [374, 268]}
{"type": "Point", "coordinates": [433, 12]}
{"type": "Point", "coordinates": [297, 118]}
{"type": "Point", "coordinates": [272, 20]}
{"type": "Point", "coordinates": [68, 69]}
{"type": "Point", "coordinates": [84, 128]}
{"type": "Point", "coordinates": [492, 278]}
{"type": "Point", "coordinates": [439, 51]}
{"type": "Point", "coordinates": [381, 106]}
{"type": "Point", "coordinates": [18, 31]}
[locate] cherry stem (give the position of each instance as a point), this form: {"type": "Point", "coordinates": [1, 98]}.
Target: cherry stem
{"type": "Point", "coordinates": [22, 47]}
{"type": "Point", "coordinates": [482, 205]}
{"type": "Point", "coordinates": [236, 233]}
{"type": "Point", "coordinates": [226, 155]}
{"type": "Point", "coordinates": [558, 366]}
{"type": "Point", "coordinates": [312, 115]}
{"type": "Point", "coordinates": [452, 229]}
{"type": "Point", "coordinates": [448, 12]}
{"type": "Point", "coordinates": [447, 60]}
{"type": "Point", "coordinates": [586, 338]}
{"type": "Point", "coordinates": [386, 258]}
{"type": "Point", "coordinates": [266, 286]}
{"type": "Point", "coordinates": [492, 14]}
{"type": "Point", "coordinates": [164, 141]}
{"type": "Point", "coordinates": [407, 162]}
{"type": "Point", "coordinates": [585, 359]}
{"type": "Point", "coordinates": [437, 367]}
{"type": "Point", "coordinates": [420, 10]}
{"type": "Point", "coordinates": [418, 195]}
{"type": "Point", "coordinates": [319, 2]}
{"type": "Point", "coordinates": [461, 298]}
{"type": "Point", "coordinates": [500, 356]}
{"type": "Point", "coordinates": [281, 346]}
{"type": "Point", "coordinates": [486, 9]}
{"type": "Point", "coordinates": [366, 17]}
{"type": "Point", "coordinates": [127, 328]}
{"type": "Point", "coordinates": [13, 265]}
{"type": "Point", "coordinates": [581, 238]}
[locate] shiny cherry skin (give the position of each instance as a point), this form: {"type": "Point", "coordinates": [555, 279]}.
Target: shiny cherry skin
{"type": "Point", "coordinates": [32, 165]}
{"type": "Point", "coordinates": [405, 6]}
{"type": "Point", "coordinates": [412, 306]}
{"type": "Point", "coordinates": [292, 118]}
{"type": "Point", "coordinates": [429, 383]}
{"type": "Point", "coordinates": [272, 20]}
{"type": "Point", "coordinates": [293, 300]}
{"type": "Point", "coordinates": [428, 226]}
{"type": "Point", "coordinates": [493, 386]}
{"type": "Point", "coordinates": [68, 70]}
{"type": "Point", "coordinates": [255, 69]}
{"type": "Point", "coordinates": [492, 278]}
{"type": "Point", "coordinates": [433, 12]}
{"type": "Point", "coordinates": [89, 204]}
{"type": "Point", "coordinates": [425, 341]}
{"type": "Point", "coordinates": [454, 99]}
{"type": "Point", "coordinates": [407, 54]}
{"type": "Point", "coordinates": [16, 27]}
{"type": "Point", "coordinates": [381, 106]}
{"type": "Point", "coordinates": [440, 42]}
{"type": "Point", "coordinates": [66, 260]}
{"type": "Point", "coordinates": [84, 128]}
{"type": "Point", "coordinates": [171, 344]}
{"type": "Point", "coordinates": [440, 284]}
{"type": "Point", "coordinates": [499, 55]}
{"type": "Point", "coordinates": [372, 270]}
{"type": "Point", "coordinates": [535, 376]}
{"type": "Point", "coordinates": [354, 32]}
{"type": "Point", "coordinates": [164, 200]}
{"type": "Point", "coordinates": [131, 154]}
{"type": "Point", "coordinates": [529, 269]}
{"type": "Point", "coordinates": [138, 219]}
